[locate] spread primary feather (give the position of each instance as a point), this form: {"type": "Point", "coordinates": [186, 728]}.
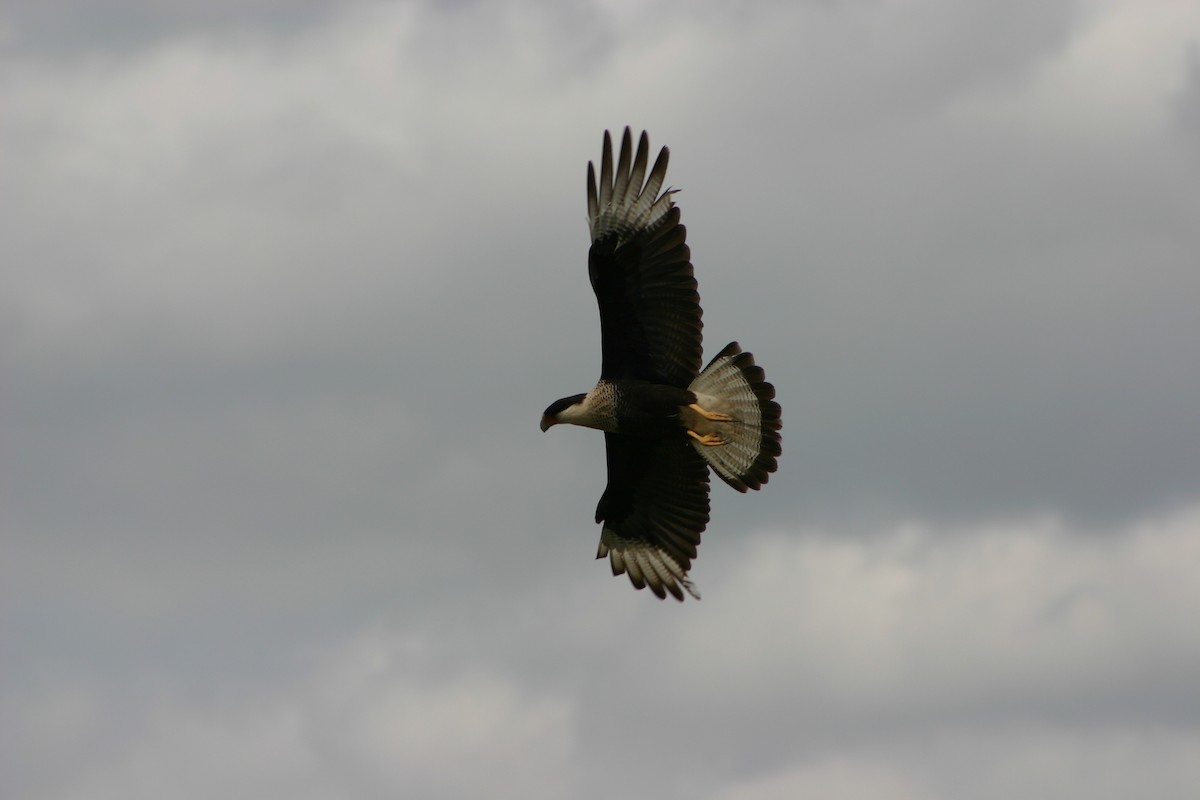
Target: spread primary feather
{"type": "Point", "coordinates": [652, 392]}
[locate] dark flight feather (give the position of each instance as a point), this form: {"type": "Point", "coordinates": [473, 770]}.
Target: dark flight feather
{"type": "Point", "coordinates": [641, 272]}
{"type": "Point", "coordinates": [657, 495]}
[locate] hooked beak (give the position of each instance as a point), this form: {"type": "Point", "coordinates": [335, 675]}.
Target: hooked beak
{"type": "Point", "coordinates": [548, 422]}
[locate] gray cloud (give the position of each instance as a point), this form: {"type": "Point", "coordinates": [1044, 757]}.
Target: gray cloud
{"type": "Point", "coordinates": [285, 291]}
{"type": "Point", "coordinates": [925, 660]}
{"type": "Point", "coordinates": [70, 28]}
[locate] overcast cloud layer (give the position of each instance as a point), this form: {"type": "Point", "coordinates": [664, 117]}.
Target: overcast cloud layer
{"type": "Point", "coordinates": [285, 287]}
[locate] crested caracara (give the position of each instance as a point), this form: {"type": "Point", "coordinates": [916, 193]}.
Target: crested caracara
{"type": "Point", "coordinates": [665, 421]}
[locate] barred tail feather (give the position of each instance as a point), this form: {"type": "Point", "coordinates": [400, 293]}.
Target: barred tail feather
{"type": "Point", "coordinates": [732, 384]}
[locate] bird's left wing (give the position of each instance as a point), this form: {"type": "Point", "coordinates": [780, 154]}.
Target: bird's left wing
{"type": "Point", "coordinates": [653, 510]}
{"type": "Point", "coordinates": [640, 268]}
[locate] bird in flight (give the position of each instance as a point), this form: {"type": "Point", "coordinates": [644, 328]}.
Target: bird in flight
{"type": "Point", "coordinates": [665, 421]}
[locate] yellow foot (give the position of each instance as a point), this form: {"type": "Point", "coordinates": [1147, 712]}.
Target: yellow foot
{"type": "Point", "coordinates": [708, 439]}
{"type": "Point", "coordinates": [710, 415]}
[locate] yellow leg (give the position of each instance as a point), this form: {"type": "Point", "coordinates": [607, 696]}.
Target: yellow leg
{"type": "Point", "coordinates": [710, 415]}
{"type": "Point", "coordinates": [708, 439]}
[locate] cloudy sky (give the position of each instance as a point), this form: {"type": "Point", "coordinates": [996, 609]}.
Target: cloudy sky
{"type": "Point", "coordinates": [286, 285]}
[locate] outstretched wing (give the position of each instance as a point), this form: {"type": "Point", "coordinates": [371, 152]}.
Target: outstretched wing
{"type": "Point", "coordinates": [641, 271]}
{"type": "Point", "coordinates": [653, 510]}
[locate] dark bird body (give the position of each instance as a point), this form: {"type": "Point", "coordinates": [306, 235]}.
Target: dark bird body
{"type": "Point", "coordinates": [665, 421]}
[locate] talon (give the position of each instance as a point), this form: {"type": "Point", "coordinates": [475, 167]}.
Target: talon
{"type": "Point", "coordinates": [714, 416]}
{"type": "Point", "coordinates": [708, 439]}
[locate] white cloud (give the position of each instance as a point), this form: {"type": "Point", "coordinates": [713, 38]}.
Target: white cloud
{"type": "Point", "coordinates": [1000, 660]}
{"type": "Point", "coordinates": [383, 719]}
{"type": "Point", "coordinates": [1017, 616]}
{"type": "Point", "coordinates": [1012, 761]}
{"type": "Point", "coordinates": [833, 658]}
{"type": "Point", "coordinates": [370, 717]}
{"type": "Point", "coordinates": [860, 779]}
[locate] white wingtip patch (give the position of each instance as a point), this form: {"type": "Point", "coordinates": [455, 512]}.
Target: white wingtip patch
{"type": "Point", "coordinates": [646, 565]}
{"type": "Point", "coordinates": [621, 204]}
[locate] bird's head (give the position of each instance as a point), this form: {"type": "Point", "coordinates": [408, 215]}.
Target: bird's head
{"type": "Point", "coordinates": [554, 412]}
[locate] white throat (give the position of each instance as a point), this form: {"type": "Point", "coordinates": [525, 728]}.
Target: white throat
{"type": "Point", "coordinates": [596, 410]}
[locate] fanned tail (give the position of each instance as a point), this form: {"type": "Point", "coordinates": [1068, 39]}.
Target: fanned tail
{"type": "Point", "coordinates": [733, 384]}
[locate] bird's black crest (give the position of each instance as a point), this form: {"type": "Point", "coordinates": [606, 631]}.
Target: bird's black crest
{"type": "Point", "coordinates": [558, 405]}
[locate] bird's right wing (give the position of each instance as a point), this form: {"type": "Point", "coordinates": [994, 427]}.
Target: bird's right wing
{"type": "Point", "coordinates": [653, 510]}
{"type": "Point", "coordinates": [640, 268]}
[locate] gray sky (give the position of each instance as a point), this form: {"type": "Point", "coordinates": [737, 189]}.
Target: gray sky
{"type": "Point", "coordinates": [286, 286]}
